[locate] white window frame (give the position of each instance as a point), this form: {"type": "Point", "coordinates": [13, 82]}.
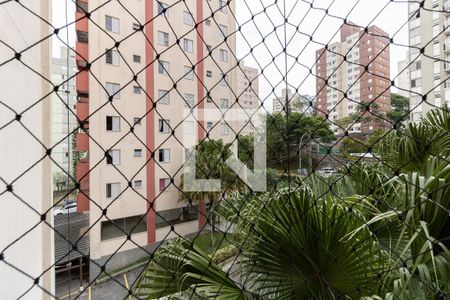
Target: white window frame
{"type": "Point", "coordinates": [188, 19]}
{"type": "Point", "coordinates": [188, 45]}
{"type": "Point", "coordinates": [163, 97]}
{"type": "Point", "coordinates": [115, 190]}
{"type": "Point", "coordinates": [188, 73]}
{"type": "Point", "coordinates": [223, 55]}
{"type": "Point", "coordinates": [115, 57]}
{"type": "Point", "coordinates": [163, 67]}
{"type": "Point", "coordinates": [163, 38]}
{"type": "Point", "coordinates": [115, 24]}
{"type": "Point", "coordinates": [115, 157]}
{"type": "Point", "coordinates": [166, 155]}
{"type": "Point", "coordinates": [113, 88]}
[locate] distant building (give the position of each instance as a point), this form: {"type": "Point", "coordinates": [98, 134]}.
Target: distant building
{"type": "Point", "coordinates": [429, 69]}
{"type": "Point", "coordinates": [64, 119]}
{"type": "Point", "coordinates": [403, 82]}
{"type": "Point", "coordinates": [297, 103]}
{"type": "Point", "coordinates": [247, 85]}
{"type": "Point", "coordinates": [363, 77]}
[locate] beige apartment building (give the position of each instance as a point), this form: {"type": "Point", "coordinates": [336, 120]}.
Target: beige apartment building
{"type": "Point", "coordinates": [26, 242]}
{"type": "Point", "coordinates": [428, 71]}
{"type": "Point", "coordinates": [362, 77]}
{"type": "Point", "coordinates": [132, 103]}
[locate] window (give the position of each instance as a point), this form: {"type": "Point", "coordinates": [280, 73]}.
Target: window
{"type": "Point", "coordinates": [113, 89]}
{"type": "Point", "coordinates": [208, 22]}
{"type": "Point", "coordinates": [136, 26]}
{"type": "Point", "coordinates": [136, 58]}
{"type": "Point", "coordinates": [137, 184]}
{"type": "Point", "coordinates": [189, 99]}
{"type": "Point", "coordinates": [164, 155]}
{"type": "Point", "coordinates": [176, 216]}
{"type": "Point", "coordinates": [224, 80]}
{"type": "Point", "coordinates": [188, 45]}
{"type": "Point", "coordinates": [188, 73]}
{"type": "Point", "coordinates": [112, 123]}
{"type": "Point", "coordinates": [112, 190]}
{"type": "Point", "coordinates": [223, 30]}
{"type": "Point", "coordinates": [163, 8]}
{"type": "Point", "coordinates": [113, 157]}
{"type": "Point", "coordinates": [223, 6]}
{"type": "Point", "coordinates": [223, 55]}
{"type": "Point", "coordinates": [137, 152]}
{"type": "Point", "coordinates": [209, 125]}
{"type": "Point", "coordinates": [163, 97]}
{"type": "Point", "coordinates": [122, 227]}
{"type": "Point", "coordinates": [187, 18]}
{"type": "Point", "coordinates": [208, 99]}
{"type": "Point", "coordinates": [189, 127]}
{"type": "Point", "coordinates": [223, 103]}
{"type": "Point", "coordinates": [137, 90]}
{"type": "Point", "coordinates": [208, 73]}
{"type": "Point", "coordinates": [208, 47]}
{"type": "Point", "coordinates": [224, 128]}
{"type": "Point", "coordinates": [137, 121]}
{"type": "Point", "coordinates": [163, 126]}
{"type": "Point", "coordinates": [112, 57]}
{"type": "Point", "coordinates": [163, 38]}
{"type": "Point", "coordinates": [111, 24]}
{"type": "Point", "coordinates": [163, 67]}
{"type": "Point", "coordinates": [164, 184]}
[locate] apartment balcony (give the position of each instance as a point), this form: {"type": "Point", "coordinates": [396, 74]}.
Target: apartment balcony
{"type": "Point", "coordinates": [82, 141]}
{"type": "Point", "coordinates": [81, 21]}
{"type": "Point", "coordinates": [83, 111]}
{"type": "Point", "coordinates": [82, 82]}
{"type": "Point", "coordinates": [82, 56]}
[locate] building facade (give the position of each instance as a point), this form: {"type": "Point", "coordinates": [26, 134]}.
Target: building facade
{"type": "Point", "coordinates": [403, 82]}
{"type": "Point", "coordinates": [297, 103]}
{"type": "Point", "coordinates": [26, 241]}
{"type": "Point", "coordinates": [427, 72]}
{"type": "Point", "coordinates": [352, 71]}
{"type": "Point", "coordinates": [64, 119]}
{"type": "Point", "coordinates": [133, 102]}
{"type": "Point", "coordinates": [247, 85]}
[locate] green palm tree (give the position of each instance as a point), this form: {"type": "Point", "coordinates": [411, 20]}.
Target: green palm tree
{"type": "Point", "coordinates": [210, 157]}
{"type": "Point", "coordinates": [372, 233]}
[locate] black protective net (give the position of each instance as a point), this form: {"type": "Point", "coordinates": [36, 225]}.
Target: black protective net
{"type": "Point", "coordinates": [146, 123]}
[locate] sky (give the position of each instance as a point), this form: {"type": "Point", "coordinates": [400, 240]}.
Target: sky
{"type": "Point", "coordinates": [391, 16]}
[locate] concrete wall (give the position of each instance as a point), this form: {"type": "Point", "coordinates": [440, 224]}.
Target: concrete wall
{"type": "Point", "coordinates": [21, 210]}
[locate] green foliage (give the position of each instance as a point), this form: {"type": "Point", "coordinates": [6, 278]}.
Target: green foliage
{"type": "Point", "coordinates": [246, 148]}
{"type": "Point", "coordinates": [371, 233]}
{"type": "Point", "coordinates": [296, 124]}
{"type": "Point", "coordinates": [400, 109]}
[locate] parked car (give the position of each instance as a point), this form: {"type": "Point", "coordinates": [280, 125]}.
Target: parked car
{"type": "Point", "coordinates": [65, 209]}
{"type": "Point", "coordinates": [327, 171]}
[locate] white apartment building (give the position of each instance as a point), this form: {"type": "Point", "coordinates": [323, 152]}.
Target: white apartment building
{"type": "Point", "coordinates": [137, 100]}
{"type": "Point", "coordinates": [403, 82]}
{"type": "Point", "coordinates": [26, 242]}
{"type": "Point", "coordinates": [428, 71]}
{"type": "Point", "coordinates": [247, 84]}
{"type": "Point", "coordinates": [64, 120]}
{"type": "Point", "coordinates": [297, 103]}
